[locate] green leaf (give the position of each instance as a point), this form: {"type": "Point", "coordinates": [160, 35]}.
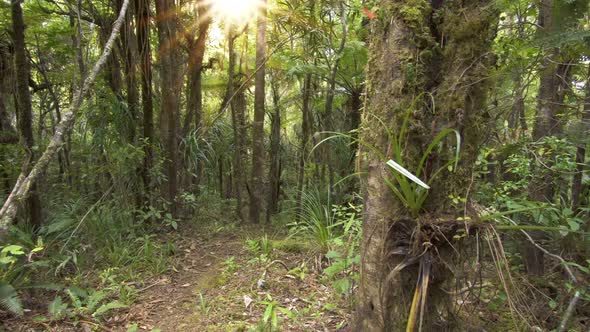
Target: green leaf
{"type": "Point", "coordinates": [133, 328]}
{"type": "Point", "coordinates": [275, 319]}
{"type": "Point", "coordinates": [107, 307]}
{"type": "Point", "coordinates": [7, 260]}
{"type": "Point", "coordinates": [333, 254]}
{"type": "Point", "coordinates": [335, 268]}
{"type": "Point", "coordinates": [574, 226]}
{"type": "Point", "coordinates": [342, 285]}
{"type": "Point", "coordinates": [94, 299]}
{"type": "Point", "coordinates": [268, 312]}
{"type": "Point", "coordinates": [13, 250]}
{"type": "Point", "coordinates": [286, 311]}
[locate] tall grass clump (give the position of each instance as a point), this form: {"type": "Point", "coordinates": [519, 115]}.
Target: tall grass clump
{"type": "Point", "coordinates": [316, 218]}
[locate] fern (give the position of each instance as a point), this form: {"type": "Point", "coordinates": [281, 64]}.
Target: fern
{"type": "Point", "coordinates": [9, 299]}
{"type": "Point", "coordinates": [107, 307]}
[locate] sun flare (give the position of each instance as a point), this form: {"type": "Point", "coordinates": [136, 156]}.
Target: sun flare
{"type": "Point", "coordinates": [235, 10]}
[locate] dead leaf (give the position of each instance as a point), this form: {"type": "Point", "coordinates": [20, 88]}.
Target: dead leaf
{"type": "Point", "coordinates": [247, 300]}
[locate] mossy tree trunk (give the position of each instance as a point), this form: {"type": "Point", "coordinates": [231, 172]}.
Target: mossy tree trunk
{"type": "Point", "coordinates": [436, 57]}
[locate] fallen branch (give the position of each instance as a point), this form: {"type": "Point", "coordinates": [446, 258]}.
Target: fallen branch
{"type": "Point", "coordinates": [23, 185]}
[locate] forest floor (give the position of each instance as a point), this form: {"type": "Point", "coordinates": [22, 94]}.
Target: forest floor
{"type": "Point", "coordinates": [217, 283]}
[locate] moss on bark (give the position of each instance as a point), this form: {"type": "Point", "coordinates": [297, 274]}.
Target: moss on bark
{"type": "Point", "coordinates": [432, 59]}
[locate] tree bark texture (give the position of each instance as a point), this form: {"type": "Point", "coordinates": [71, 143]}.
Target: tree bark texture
{"type": "Point", "coordinates": [550, 99]}
{"type": "Point", "coordinates": [238, 111]}
{"type": "Point", "coordinates": [129, 45]}
{"type": "Point", "coordinates": [305, 134]}
{"type": "Point", "coordinates": [145, 59]}
{"type": "Point", "coordinates": [274, 174]}
{"type": "Point", "coordinates": [419, 48]}
{"type": "Point", "coordinates": [195, 69]}
{"type": "Point", "coordinates": [581, 150]}
{"type": "Point", "coordinates": [257, 180]}
{"type": "Point", "coordinates": [25, 108]}
{"type": "Point", "coordinates": [167, 23]}
{"type": "Point", "coordinates": [8, 133]}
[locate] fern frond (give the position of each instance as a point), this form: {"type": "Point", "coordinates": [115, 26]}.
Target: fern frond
{"type": "Point", "coordinates": [9, 299]}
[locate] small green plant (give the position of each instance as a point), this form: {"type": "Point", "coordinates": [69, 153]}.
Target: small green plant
{"type": "Point", "coordinates": [14, 271]}
{"type": "Point", "coordinates": [270, 318]}
{"type": "Point", "coordinates": [343, 270]}
{"type": "Point", "coordinates": [299, 271]}
{"type": "Point", "coordinates": [316, 219]}
{"type": "Point", "coordinates": [204, 305]}
{"type": "Point", "coordinates": [189, 200]}
{"type": "Point", "coordinates": [405, 185]}
{"type": "Point", "coordinates": [230, 265]}
{"type": "Point", "coordinates": [261, 249]}
{"type": "Point", "coordinates": [83, 303]}
{"type": "Point", "coordinates": [153, 213]}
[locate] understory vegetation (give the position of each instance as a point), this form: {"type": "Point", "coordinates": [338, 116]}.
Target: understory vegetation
{"type": "Point", "coordinates": [294, 165]}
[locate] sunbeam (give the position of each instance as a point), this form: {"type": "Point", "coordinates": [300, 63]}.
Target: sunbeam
{"type": "Point", "coordinates": [236, 11]}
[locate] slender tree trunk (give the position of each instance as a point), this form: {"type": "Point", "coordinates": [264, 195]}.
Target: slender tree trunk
{"type": "Point", "coordinates": [170, 85]}
{"type": "Point", "coordinates": [305, 134]}
{"type": "Point", "coordinates": [129, 42]}
{"type": "Point", "coordinates": [195, 69]}
{"type": "Point", "coordinates": [238, 111]}
{"type": "Point", "coordinates": [220, 170]}
{"type": "Point", "coordinates": [145, 58]}
{"type": "Point", "coordinates": [581, 150]}
{"type": "Point", "coordinates": [25, 109]}
{"type": "Point", "coordinates": [399, 246]}
{"type": "Point", "coordinates": [274, 174]}
{"type": "Point", "coordinates": [257, 181]}
{"type": "Point", "coordinates": [547, 123]}
{"type": "Point", "coordinates": [8, 133]}
{"type": "Point", "coordinates": [113, 68]}
{"type": "Point", "coordinates": [329, 105]}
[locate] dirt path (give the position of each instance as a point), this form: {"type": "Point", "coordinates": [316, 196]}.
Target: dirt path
{"type": "Point", "coordinates": [217, 282]}
{"type": "Point", "coordinates": [169, 303]}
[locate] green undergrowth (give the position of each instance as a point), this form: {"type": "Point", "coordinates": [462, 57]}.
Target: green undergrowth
{"type": "Point", "coordinates": [86, 262]}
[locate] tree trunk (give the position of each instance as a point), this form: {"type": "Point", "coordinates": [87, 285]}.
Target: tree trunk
{"type": "Point", "coordinates": [444, 51]}
{"type": "Point", "coordinates": [129, 42]}
{"type": "Point", "coordinates": [581, 150]}
{"type": "Point", "coordinates": [145, 58]}
{"type": "Point", "coordinates": [170, 86]}
{"type": "Point", "coordinates": [195, 69]}
{"type": "Point", "coordinates": [25, 109]}
{"type": "Point", "coordinates": [238, 111]}
{"type": "Point", "coordinates": [305, 134]}
{"type": "Point", "coordinates": [329, 105]}
{"type": "Point", "coordinates": [8, 133]}
{"type": "Point", "coordinates": [257, 181]}
{"type": "Point", "coordinates": [550, 98]}
{"type": "Point", "coordinates": [274, 174]}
